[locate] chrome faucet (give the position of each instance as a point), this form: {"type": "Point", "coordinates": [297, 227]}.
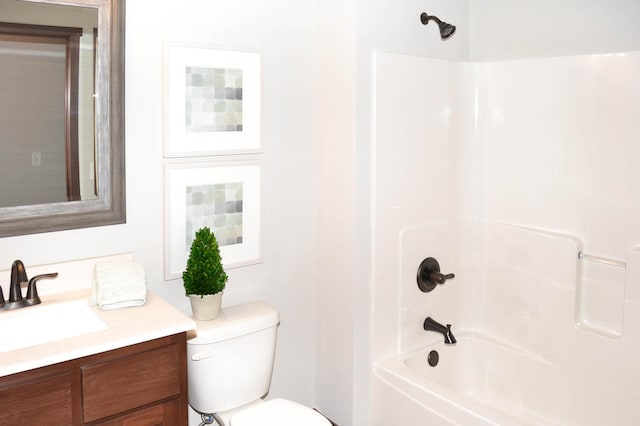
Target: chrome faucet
{"type": "Point", "coordinates": [432, 325]}
{"type": "Point", "coordinates": [18, 277]}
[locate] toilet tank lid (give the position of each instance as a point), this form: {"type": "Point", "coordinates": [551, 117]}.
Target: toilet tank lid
{"type": "Point", "coordinates": [235, 321]}
{"type": "Point", "coordinates": [279, 412]}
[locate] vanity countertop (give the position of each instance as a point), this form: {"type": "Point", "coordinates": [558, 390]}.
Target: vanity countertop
{"type": "Point", "coordinates": [124, 327]}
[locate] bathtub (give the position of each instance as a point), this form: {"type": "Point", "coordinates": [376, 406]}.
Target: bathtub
{"type": "Point", "coordinates": [482, 381]}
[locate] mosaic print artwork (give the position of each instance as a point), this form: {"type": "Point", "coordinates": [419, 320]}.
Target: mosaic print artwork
{"type": "Point", "coordinates": [213, 99]}
{"type": "Point", "coordinates": [218, 206]}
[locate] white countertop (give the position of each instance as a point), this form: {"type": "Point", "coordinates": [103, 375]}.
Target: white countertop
{"type": "Point", "coordinates": [128, 326]}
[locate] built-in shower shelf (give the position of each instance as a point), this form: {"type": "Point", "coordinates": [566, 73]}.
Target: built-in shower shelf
{"type": "Point", "coordinates": [603, 260]}
{"type": "Point", "coordinates": [602, 285]}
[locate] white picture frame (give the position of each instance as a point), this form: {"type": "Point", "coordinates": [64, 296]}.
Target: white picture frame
{"type": "Point", "coordinates": [206, 194]}
{"type": "Point", "coordinates": [212, 101]}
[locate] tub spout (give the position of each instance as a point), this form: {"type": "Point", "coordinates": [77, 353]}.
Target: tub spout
{"type": "Point", "coordinates": [432, 325]}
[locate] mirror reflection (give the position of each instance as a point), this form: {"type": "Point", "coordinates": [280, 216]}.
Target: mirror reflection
{"type": "Point", "coordinates": [47, 85]}
{"type": "Point", "coordinates": [105, 135]}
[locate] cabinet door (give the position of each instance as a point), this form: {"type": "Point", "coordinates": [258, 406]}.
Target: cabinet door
{"type": "Point", "coordinates": [167, 414]}
{"type": "Point", "coordinates": [45, 401]}
{"type": "Point", "coordinates": [134, 381]}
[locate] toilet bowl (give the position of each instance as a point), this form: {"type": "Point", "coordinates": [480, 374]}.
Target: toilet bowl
{"type": "Point", "coordinates": [229, 367]}
{"type": "Point", "coordinates": [274, 412]}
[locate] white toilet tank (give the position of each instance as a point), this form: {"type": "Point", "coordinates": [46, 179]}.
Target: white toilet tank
{"type": "Point", "coordinates": [230, 361]}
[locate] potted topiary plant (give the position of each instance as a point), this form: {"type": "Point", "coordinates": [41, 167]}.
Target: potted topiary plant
{"type": "Point", "coordinates": [204, 278]}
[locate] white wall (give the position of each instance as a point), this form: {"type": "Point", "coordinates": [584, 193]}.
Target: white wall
{"type": "Point", "coordinates": [395, 27]}
{"type": "Point", "coordinates": [348, 34]}
{"type": "Point", "coordinates": [336, 271]}
{"type": "Point", "coordinates": [510, 29]}
{"type": "Point", "coordinates": [284, 32]}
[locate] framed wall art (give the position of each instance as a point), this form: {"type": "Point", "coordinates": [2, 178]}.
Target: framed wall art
{"type": "Point", "coordinates": [224, 196]}
{"type": "Point", "coordinates": [212, 101]}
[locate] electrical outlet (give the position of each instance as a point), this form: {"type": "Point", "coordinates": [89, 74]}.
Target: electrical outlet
{"type": "Point", "coordinates": [36, 159]}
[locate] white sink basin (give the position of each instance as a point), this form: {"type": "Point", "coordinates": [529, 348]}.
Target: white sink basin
{"type": "Point", "coordinates": [35, 325]}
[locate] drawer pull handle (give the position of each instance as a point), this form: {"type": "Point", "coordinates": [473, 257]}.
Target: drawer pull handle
{"type": "Point", "coordinates": [200, 356]}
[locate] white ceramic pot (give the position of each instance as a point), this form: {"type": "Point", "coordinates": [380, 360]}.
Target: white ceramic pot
{"type": "Point", "coordinates": [207, 307]}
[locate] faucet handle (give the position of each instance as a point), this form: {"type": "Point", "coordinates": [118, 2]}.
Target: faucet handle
{"type": "Point", "coordinates": [32, 291]}
{"type": "Point", "coordinates": [429, 275]}
{"type": "Point", "coordinates": [440, 278]}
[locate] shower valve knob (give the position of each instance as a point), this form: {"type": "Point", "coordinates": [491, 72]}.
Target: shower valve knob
{"type": "Point", "coordinates": [440, 278]}
{"type": "Point", "coordinates": [429, 275]}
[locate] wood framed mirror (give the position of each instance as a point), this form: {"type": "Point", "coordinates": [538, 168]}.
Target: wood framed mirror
{"type": "Point", "coordinates": [103, 201]}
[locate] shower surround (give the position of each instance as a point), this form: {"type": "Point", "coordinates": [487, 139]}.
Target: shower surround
{"type": "Point", "coordinates": [504, 171]}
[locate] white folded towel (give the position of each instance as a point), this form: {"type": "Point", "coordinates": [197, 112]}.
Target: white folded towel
{"type": "Point", "coordinates": [119, 285]}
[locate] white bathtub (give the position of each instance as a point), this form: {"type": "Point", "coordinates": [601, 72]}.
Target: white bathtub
{"type": "Point", "coordinates": [480, 381]}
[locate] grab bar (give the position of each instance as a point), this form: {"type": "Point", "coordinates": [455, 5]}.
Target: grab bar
{"type": "Point", "coordinates": [603, 260]}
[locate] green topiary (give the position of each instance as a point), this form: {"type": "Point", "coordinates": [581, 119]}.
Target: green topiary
{"type": "Point", "coordinates": [204, 274]}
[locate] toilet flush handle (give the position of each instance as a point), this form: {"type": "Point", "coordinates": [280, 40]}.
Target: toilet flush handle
{"type": "Point", "coordinates": [200, 356]}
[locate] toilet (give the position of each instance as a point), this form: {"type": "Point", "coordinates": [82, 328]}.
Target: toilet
{"type": "Point", "coordinates": [229, 366]}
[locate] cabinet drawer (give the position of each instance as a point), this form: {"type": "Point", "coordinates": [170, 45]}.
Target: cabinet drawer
{"type": "Point", "coordinates": [167, 414]}
{"type": "Point", "coordinates": [123, 384]}
{"type": "Point", "coordinates": [43, 402]}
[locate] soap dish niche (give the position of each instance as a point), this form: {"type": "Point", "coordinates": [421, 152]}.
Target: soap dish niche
{"type": "Point", "coordinates": [600, 295]}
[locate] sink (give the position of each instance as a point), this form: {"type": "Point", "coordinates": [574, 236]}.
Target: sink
{"type": "Point", "coordinates": [40, 324]}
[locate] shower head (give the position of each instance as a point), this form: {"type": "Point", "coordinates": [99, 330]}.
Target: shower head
{"type": "Point", "coordinates": [446, 30]}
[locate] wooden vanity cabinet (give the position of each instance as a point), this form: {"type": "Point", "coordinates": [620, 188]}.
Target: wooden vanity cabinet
{"type": "Point", "coordinates": [138, 385]}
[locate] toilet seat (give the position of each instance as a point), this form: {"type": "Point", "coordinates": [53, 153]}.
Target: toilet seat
{"type": "Point", "coordinates": [279, 412]}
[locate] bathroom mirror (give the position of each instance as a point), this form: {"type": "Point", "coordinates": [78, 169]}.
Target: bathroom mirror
{"type": "Point", "coordinates": [103, 134]}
